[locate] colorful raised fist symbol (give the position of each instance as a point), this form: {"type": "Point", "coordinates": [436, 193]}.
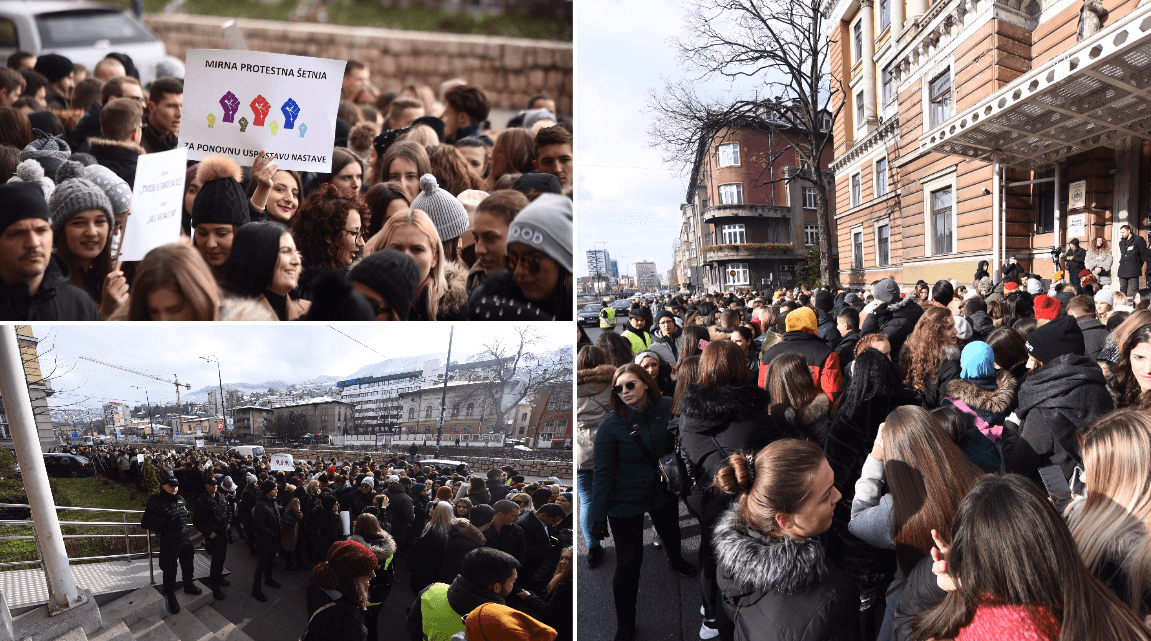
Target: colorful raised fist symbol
{"type": "Point", "coordinates": [231, 105]}
{"type": "Point", "coordinates": [211, 121]}
{"type": "Point", "coordinates": [290, 110]}
{"type": "Point", "coordinates": [303, 129]}
{"type": "Point", "coordinates": [260, 107]}
{"type": "Point", "coordinates": [243, 124]}
{"type": "Point", "coordinates": [275, 126]}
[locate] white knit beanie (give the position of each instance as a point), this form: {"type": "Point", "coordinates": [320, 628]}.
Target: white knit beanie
{"type": "Point", "coordinates": [445, 210]}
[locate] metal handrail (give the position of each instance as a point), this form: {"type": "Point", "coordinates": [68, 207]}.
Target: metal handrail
{"type": "Point", "coordinates": [124, 524]}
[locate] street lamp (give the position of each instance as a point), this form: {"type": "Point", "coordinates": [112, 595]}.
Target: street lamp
{"type": "Point", "coordinates": [219, 377]}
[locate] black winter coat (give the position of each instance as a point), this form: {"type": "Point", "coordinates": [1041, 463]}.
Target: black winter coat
{"type": "Point", "coordinates": [462, 538]}
{"type": "Point", "coordinates": [920, 594]}
{"type": "Point", "coordinates": [500, 298]}
{"type": "Point", "coordinates": [539, 545]}
{"type": "Point", "coordinates": [384, 547]}
{"type": "Point", "coordinates": [782, 589]}
{"type": "Point", "coordinates": [1012, 272]}
{"type": "Point", "coordinates": [55, 300]}
{"type": "Point", "coordinates": [1131, 256]}
{"type": "Point", "coordinates": [499, 492]}
{"type": "Point", "coordinates": [402, 510]}
{"type": "Point", "coordinates": [1094, 336]}
{"type": "Point", "coordinates": [167, 516]}
{"type": "Point", "coordinates": [343, 621]}
{"type": "Point", "coordinates": [555, 609]}
{"type": "Point", "coordinates": [719, 421]}
{"type": "Point", "coordinates": [120, 157]}
{"type": "Point", "coordinates": [87, 127]}
{"type": "Point", "coordinates": [1055, 402]}
{"type": "Point", "coordinates": [846, 351]}
{"type": "Point", "coordinates": [213, 513]}
{"type": "Point", "coordinates": [510, 539]}
{"type": "Point", "coordinates": [896, 321]}
{"type": "Point", "coordinates": [266, 521]}
{"type": "Point", "coordinates": [948, 371]}
{"type": "Point", "coordinates": [827, 330]}
{"type": "Point", "coordinates": [425, 558]}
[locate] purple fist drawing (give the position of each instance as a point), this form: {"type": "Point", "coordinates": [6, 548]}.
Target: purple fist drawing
{"type": "Point", "coordinates": [290, 110]}
{"type": "Point", "coordinates": [260, 107]}
{"type": "Point", "coordinates": [231, 105]}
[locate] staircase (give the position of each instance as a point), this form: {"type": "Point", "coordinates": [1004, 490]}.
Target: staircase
{"type": "Point", "coordinates": [143, 615]}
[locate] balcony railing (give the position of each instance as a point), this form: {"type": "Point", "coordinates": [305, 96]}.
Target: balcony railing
{"type": "Point", "coordinates": [745, 211]}
{"type": "Point", "coordinates": [747, 250]}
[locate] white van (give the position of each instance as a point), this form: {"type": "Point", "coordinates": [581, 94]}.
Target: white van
{"type": "Point", "coordinates": [254, 451]}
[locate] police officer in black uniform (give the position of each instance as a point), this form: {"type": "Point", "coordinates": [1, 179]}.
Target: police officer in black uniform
{"type": "Point", "coordinates": [167, 516]}
{"type": "Point", "coordinates": [213, 520]}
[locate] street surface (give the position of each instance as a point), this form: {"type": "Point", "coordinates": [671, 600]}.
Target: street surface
{"type": "Point", "coordinates": [668, 605]}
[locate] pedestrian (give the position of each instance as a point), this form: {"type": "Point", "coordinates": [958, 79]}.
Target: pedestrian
{"type": "Point", "coordinates": [465, 535]}
{"type": "Point", "coordinates": [328, 231]}
{"type": "Point", "coordinates": [81, 228]}
{"type": "Point", "coordinates": [800, 338]}
{"type": "Point", "coordinates": [173, 283]}
{"type": "Point", "coordinates": [998, 528]}
{"type": "Point", "coordinates": [627, 485]}
{"type": "Point", "coordinates": [593, 402]}
{"type": "Point", "coordinates": [167, 515]}
{"type": "Point", "coordinates": [486, 576]}
{"type": "Point", "coordinates": [776, 577]}
{"type": "Point", "coordinates": [1130, 380]}
{"type": "Point", "coordinates": [218, 211]}
{"type": "Point", "coordinates": [213, 519]}
{"type": "Point", "coordinates": [542, 549]}
{"type": "Point", "coordinates": [266, 269]}
{"type": "Point", "coordinates": [329, 528]}
{"type": "Point", "coordinates": [346, 571]}
{"type": "Point", "coordinates": [403, 162]}
{"type": "Point", "coordinates": [798, 407]}
{"type": "Point", "coordinates": [1132, 248]}
{"type": "Point", "coordinates": [291, 522]}
{"type": "Point", "coordinates": [401, 510]}
{"type": "Point", "coordinates": [442, 286]}
{"type": "Point", "coordinates": [1099, 259]}
{"type": "Point", "coordinates": [554, 604]}
{"type": "Point", "coordinates": [985, 393]}
{"type": "Point", "coordinates": [931, 359]}
{"type": "Point", "coordinates": [427, 552]}
{"type": "Point", "coordinates": [268, 531]}
{"type": "Point", "coordinates": [347, 174]}
{"type": "Point", "coordinates": [367, 531]}
{"type": "Point", "coordinates": [504, 534]}
{"type": "Point", "coordinates": [489, 229]}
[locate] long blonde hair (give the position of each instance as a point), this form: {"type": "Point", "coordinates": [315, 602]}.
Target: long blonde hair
{"type": "Point", "coordinates": [1111, 523]}
{"type": "Point", "coordinates": [438, 286]}
{"type": "Point", "coordinates": [442, 516]}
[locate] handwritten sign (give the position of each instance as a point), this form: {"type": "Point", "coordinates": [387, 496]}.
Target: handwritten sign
{"type": "Point", "coordinates": [140, 459]}
{"type": "Point", "coordinates": [1076, 225]}
{"type": "Point", "coordinates": [199, 442]}
{"type": "Point", "coordinates": [157, 202]}
{"type": "Point", "coordinates": [282, 462]}
{"type": "Point", "coordinates": [239, 102]}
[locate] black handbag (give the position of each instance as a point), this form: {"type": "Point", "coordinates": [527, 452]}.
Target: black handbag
{"type": "Point", "coordinates": [671, 467]}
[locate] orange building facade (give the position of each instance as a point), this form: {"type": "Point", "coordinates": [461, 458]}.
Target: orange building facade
{"type": "Point", "coordinates": [977, 129]}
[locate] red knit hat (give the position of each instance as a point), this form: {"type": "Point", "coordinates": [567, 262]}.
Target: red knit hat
{"type": "Point", "coordinates": [1084, 272]}
{"type": "Point", "coordinates": [1009, 287]}
{"type": "Point", "coordinates": [346, 560]}
{"type": "Point", "coordinates": [1046, 307]}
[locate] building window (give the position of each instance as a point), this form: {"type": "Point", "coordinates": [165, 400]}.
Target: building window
{"type": "Point", "coordinates": [1045, 203]}
{"type": "Point", "coordinates": [856, 190]}
{"type": "Point", "coordinates": [731, 194]}
{"type": "Point", "coordinates": [858, 44]}
{"type": "Point", "coordinates": [737, 274]}
{"type": "Point", "coordinates": [734, 235]}
{"type": "Point", "coordinates": [884, 14]}
{"type": "Point", "coordinates": [455, 410]}
{"type": "Point", "coordinates": [810, 235]}
{"type": "Point", "coordinates": [857, 250]}
{"type": "Point", "coordinates": [471, 407]}
{"type": "Point", "coordinates": [883, 246]}
{"type": "Point", "coordinates": [940, 98]}
{"type": "Point", "coordinates": [809, 198]}
{"type": "Point", "coordinates": [428, 411]}
{"type": "Point", "coordinates": [825, 122]}
{"type": "Point", "coordinates": [888, 86]}
{"type": "Point", "coordinates": [859, 111]}
{"type": "Point", "coordinates": [880, 177]}
{"type": "Point", "coordinates": [728, 155]}
{"type": "Point", "coordinates": [942, 219]}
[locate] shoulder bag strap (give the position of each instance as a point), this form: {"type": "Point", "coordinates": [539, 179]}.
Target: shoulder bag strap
{"type": "Point", "coordinates": [643, 448]}
{"type": "Point", "coordinates": [318, 610]}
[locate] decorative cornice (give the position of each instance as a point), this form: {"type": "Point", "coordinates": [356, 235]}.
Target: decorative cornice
{"type": "Point", "coordinates": [868, 143]}
{"type": "Point", "coordinates": [943, 22]}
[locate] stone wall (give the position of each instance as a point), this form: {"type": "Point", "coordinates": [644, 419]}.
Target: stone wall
{"type": "Point", "coordinates": [510, 70]}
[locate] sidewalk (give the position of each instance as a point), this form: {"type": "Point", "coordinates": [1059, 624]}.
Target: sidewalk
{"type": "Point", "coordinates": [668, 605]}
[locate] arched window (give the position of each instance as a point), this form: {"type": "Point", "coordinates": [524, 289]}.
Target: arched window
{"type": "Point", "coordinates": [411, 412]}
{"type": "Point", "coordinates": [471, 408]}
{"type": "Point", "coordinates": [455, 410]}
{"type": "Point", "coordinates": [428, 412]}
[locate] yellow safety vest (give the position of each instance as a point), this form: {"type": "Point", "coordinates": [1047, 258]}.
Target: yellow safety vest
{"type": "Point", "coordinates": [440, 621]}
{"type": "Point", "coordinates": [609, 322]}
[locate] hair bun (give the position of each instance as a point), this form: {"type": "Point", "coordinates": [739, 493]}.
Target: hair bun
{"type": "Point", "coordinates": [737, 476]}
{"type": "Point", "coordinates": [428, 184]}
{"type": "Point", "coordinates": [325, 576]}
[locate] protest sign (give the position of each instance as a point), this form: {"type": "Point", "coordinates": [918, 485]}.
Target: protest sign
{"type": "Point", "coordinates": [157, 202]}
{"type": "Point", "coordinates": [282, 462]}
{"type": "Point", "coordinates": [239, 102]}
{"type": "Point", "coordinates": [346, 522]}
{"type": "Point", "coordinates": [140, 459]}
{"type": "Point", "coordinates": [199, 442]}
{"type": "Point", "coordinates": [1077, 226]}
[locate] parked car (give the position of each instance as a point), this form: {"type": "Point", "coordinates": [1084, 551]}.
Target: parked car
{"type": "Point", "coordinates": [68, 465]}
{"type": "Point", "coordinates": [241, 451]}
{"type": "Point", "coordinates": [621, 305]}
{"type": "Point", "coordinates": [81, 30]}
{"type": "Point", "coordinates": [437, 462]}
{"type": "Point", "coordinates": [589, 315]}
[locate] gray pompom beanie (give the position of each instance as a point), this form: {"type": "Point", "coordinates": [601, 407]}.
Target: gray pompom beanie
{"type": "Point", "coordinates": [545, 224]}
{"type": "Point", "coordinates": [445, 210]}
{"type": "Point", "coordinates": [74, 194]}
{"type": "Point", "coordinates": [30, 171]}
{"type": "Point", "coordinates": [115, 188]}
{"type": "Point", "coordinates": [49, 151]}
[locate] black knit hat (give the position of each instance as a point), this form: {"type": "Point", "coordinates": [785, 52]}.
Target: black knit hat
{"type": "Point", "coordinates": [53, 66]}
{"type": "Point", "coordinates": [393, 275]}
{"type": "Point", "coordinates": [823, 300]}
{"type": "Point", "coordinates": [20, 200]}
{"type": "Point", "coordinates": [221, 199]}
{"type": "Point", "coordinates": [267, 486]}
{"type": "Point", "coordinates": [333, 299]}
{"type": "Point", "coordinates": [1057, 338]}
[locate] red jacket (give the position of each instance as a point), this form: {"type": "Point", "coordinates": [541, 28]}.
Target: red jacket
{"type": "Point", "coordinates": [821, 360]}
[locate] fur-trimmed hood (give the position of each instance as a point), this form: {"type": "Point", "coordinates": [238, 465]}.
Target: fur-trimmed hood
{"type": "Point", "coordinates": [718, 333]}
{"type": "Point", "coordinates": [810, 415]}
{"type": "Point", "coordinates": [464, 528]}
{"type": "Point", "coordinates": [598, 374]}
{"type": "Point", "coordinates": [455, 300]}
{"type": "Point", "coordinates": [995, 401]}
{"type": "Point", "coordinates": [758, 563]}
{"type": "Point", "coordinates": [722, 404]}
{"type": "Point", "coordinates": [383, 547]}
{"type": "Point", "coordinates": [122, 144]}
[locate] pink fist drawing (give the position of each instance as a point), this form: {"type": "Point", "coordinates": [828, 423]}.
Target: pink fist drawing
{"type": "Point", "coordinates": [231, 105]}
{"type": "Point", "coordinates": [260, 107]}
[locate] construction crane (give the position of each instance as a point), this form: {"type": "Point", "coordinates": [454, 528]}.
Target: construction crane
{"type": "Point", "coordinates": [175, 381]}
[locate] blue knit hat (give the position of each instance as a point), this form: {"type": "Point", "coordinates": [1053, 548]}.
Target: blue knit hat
{"type": "Point", "coordinates": [977, 361]}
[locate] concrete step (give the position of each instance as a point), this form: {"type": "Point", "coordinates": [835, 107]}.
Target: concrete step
{"type": "Point", "coordinates": [188, 628]}
{"type": "Point", "coordinates": [190, 602]}
{"type": "Point", "coordinates": [152, 628]}
{"type": "Point", "coordinates": [134, 606]}
{"type": "Point", "coordinates": [118, 632]}
{"type": "Point", "coordinates": [224, 629]}
{"type": "Point", "coordinates": [75, 634]}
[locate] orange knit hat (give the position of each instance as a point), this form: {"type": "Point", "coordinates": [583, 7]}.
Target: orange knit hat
{"type": "Point", "coordinates": [495, 622]}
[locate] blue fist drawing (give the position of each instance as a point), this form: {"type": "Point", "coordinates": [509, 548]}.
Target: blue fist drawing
{"type": "Point", "coordinates": [290, 110]}
{"type": "Point", "coordinates": [303, 129]}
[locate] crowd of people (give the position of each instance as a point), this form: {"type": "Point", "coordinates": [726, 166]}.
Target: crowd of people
{"type": "Point", "coordinates": [948, 462]}
{"type": "Point", "coordinates": [428, 213]}
{"type": "Point", "coordinates": [492, 549]}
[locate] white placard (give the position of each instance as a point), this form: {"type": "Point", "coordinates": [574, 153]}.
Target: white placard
{"type": "Point", "coordinates": [282, 462]}
{"type": "Point", "coordinates": [199, 442]}
{"type": "Point", "coordinates": [1077, 195]}
{"type": "Point", "coordinates": [346, 521]}
{"type": "Point", "coordinates": [239, 102]}
{"type": "Point", "coordinates": [157, 201]}
{"type": "Point", "coordinates": [140, 459]}
{"type": "Point", "coordinates": [1076, 226]}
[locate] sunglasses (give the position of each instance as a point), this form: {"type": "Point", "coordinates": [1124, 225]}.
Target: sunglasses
{"type": "Point", "coordinates": [531, 263]}
{"type": "Point", "coordinates": [629, 386]}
